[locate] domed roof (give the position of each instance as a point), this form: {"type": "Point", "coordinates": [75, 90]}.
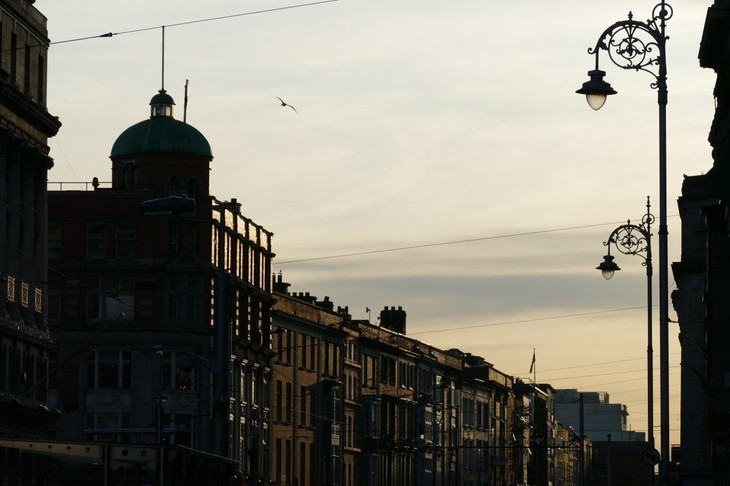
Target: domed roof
{"type": "Point", "coordinates": [161, 133]}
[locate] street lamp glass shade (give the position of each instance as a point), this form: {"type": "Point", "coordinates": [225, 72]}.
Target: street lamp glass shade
{"type": "Point", "coordinates": [608, 267]}
{"type": "Point", "coordinates": [596, 89]}
{"type": "Point", "coordinates": [596, 101]}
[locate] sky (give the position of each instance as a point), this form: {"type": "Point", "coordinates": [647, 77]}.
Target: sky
{"type": "Point", "coordinates": [438, 158]}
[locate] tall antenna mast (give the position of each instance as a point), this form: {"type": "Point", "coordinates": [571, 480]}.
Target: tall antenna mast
{"type": "Point", "coordinates": [185, 105]}
{"type": "Point", "coordinates": [163, 58]}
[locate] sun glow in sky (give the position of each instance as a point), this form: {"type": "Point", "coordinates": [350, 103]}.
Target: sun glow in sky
{"type": "Point", "coordinates": [417, 123]}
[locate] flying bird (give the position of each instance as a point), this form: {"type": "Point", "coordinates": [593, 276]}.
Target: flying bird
{"type": "Point", "coordinates": [284, 103]}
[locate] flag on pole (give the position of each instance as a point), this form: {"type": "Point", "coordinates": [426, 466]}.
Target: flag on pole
{"type": "Point", "coordinates": [532, 365]}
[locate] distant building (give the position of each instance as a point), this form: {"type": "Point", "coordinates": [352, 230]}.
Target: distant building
{"type": "Point", "coordinates": [26, 348]}
{"type": "Point", "coordinates": [617, 453]}
{"type": "Point", "coordinates": [600, 417]}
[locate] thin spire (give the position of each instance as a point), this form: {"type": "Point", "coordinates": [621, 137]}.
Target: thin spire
{"type": "Point", "coordinates": [163, 58]}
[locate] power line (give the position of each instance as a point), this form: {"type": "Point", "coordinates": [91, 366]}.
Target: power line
{"type": "Point", "coordinates": [453, 242]}
{"type": "Point", "coordinates": [599, 364]}
{"type": "Point", "coordinates": [534, 319]}
{"type": "Point", "coordinates": [444, 243]}
{"type": "Point", "coordinates": [191, 22]}
{"type": "Point", "coordinates": [178, 24]}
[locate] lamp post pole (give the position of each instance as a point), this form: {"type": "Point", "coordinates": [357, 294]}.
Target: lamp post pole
{"type": "Point", "coordinates": [632, 239]}
{"type": "Point", "coordinates": [641, 46]}
{"type": "Point", "coordinates": [160, 350]}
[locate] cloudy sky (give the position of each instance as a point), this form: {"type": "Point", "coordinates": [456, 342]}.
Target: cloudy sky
{"type": "Point", "coordinates": [439, 158]}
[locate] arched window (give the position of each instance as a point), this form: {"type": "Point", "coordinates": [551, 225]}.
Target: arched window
{"type": "Point", "coordinates": [174, 186]}
{"type": "Point", "coordinates": [194, 187]}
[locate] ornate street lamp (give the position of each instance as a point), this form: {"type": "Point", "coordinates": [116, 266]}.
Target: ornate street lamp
{"type": "Point", "coordinates": [641, 46]}
{"type": "Point", "coordinates": [632, 239]}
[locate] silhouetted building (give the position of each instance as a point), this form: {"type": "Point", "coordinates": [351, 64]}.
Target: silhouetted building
{"type": "Point", "coordinates": [308, 392]}
{"type": "Point", "coordinates": [352, 426]}
{"type": "Point", "coordinates": [620, 462]}
{"type": "Point", "coordinates": [703, 282]}
{"type": "Point", "coordinates": [542, 435]}
{"type": "Point", "coordinates": [161, 302]}
{"type": "Point", "coordinates": [487, 423]}
{"type": "Point", "coordinates": [26, 348]}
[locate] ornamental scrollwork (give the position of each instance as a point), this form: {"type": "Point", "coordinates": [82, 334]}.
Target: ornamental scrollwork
{"type": "Point", "coordinates": [631, 239]}
{"type": "Point", "coordinates": [636, 45]}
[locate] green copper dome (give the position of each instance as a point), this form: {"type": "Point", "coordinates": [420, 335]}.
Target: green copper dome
{"type": "Point", "coordinates": [161, 133]}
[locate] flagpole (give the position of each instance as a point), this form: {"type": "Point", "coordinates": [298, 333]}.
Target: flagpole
{"type": "Point", "coordinates": [533, 368]}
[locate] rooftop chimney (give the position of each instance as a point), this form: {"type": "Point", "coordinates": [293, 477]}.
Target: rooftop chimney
{"type": "Point", "coordinates": [280, 286]}
{"type": "Point", "coordinates": [393, 319]}
{"type": "Point", "coordinates": [326, 303]}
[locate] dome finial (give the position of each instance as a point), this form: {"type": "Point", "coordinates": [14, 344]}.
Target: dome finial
{"type": "Point", "coordinates": [161, 104]}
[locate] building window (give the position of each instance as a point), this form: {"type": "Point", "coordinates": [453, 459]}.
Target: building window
{"type": "Point", "coordinates": [24, 294]}
{"type": "Point", "coordinates": [110, 299]}
{"type": "Point", "coordinates": [106, 426]}
{"type": "Point", "coordinates": [109, 370]}
{"type": "Point", "coordinates": [313, 353]}
{"type": "Point", "coordinates": [279, 345]}
{"type": "Point", "coordinates": [183, 300]}
{"type": "Point", "coordinates": [326, 370]}
{"type": "Point", "coordinates": [10, 288]}
{"type": "Point", "coordinates": [41, 80]}
{"type": "Point", "coordinates": [38, 300]}
{"type": "Point", "coordinates": [302, 463]}
{"type": "Point", "coordinates": [96, 240]}
{"type": "Point", "coordinates": [279, 458]}
{"type": "Point", "coordinates": [287, 463]}
{"type": "Point", "coordinates": [14, 57]}
{"type": "Point", "coordinates": [179, 371]}
{"type": "Point", "coordinates": [26, 70]}
{"type": "Point", "coordinates": [54, 305]}
{"type": "Point", "coordinates": [303, 353]}
{"type": "Point", "coordinates": [2, 47]}
{"type": "Point", "coordinates": [174, 186]}
{"type": "Point", "coordinates": [279, 399]}
{"type": "Point", "coordinates": [253, 377]}
{"type": "Point", "coordinates": [125, 239]}
{"type": "Point", "coordinates": [193, 188]}
{"type": "Point", "coordinates": [303, 406]}
{"type": "Point", "coordinates": [55, 239]}
{"type": "Point", "coordinates": [191, 307]}
{"type": "Point", "coordinates": [387, 370]}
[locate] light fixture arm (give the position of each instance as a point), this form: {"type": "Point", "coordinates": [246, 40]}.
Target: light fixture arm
{"type": "Point", "coordinates": [638, 46]}
{"type": "Point", "coordinates": [633, 239]}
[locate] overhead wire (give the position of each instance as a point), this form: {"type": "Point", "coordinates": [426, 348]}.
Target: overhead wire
{"type": "Point", "coordinates": [451, 242]}
{"type": "Point", "coordinates": [444, 243]}
{"type": "Point", "coordinates": [177, 24]}
{"type": "Point", "coordinates": [190, 22]}
{"type": "Point", "coordinates": [534, 319]}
